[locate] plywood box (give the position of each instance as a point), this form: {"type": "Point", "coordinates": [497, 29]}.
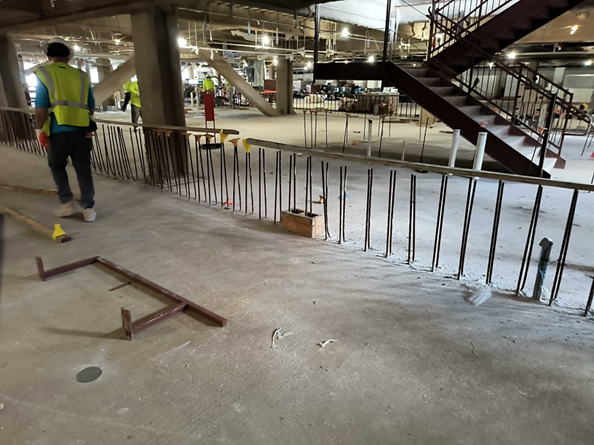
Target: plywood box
{"type": "Point", "coordinates": [296, 221]}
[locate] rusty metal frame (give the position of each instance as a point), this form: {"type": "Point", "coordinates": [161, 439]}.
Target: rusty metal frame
{"type": "Point", "coordinates": [131, 328]}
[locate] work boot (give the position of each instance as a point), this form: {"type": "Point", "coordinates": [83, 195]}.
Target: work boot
{"type": "Point", "coordinates": [65, 210]}
{"type": "Point", "coordinates": [89, 214]}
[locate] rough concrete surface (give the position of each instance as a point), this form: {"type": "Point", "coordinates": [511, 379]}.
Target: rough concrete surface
{"type": "Point", "coordinates": [414, 362]}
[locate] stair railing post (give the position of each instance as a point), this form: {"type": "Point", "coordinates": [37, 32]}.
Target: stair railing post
{"type": "Point", "coordinates": [454, 149]}
{"type": "Point", "coordinates": [546, 132]}
{"type": "Point", "coordinates": [481, 144]}
{"type": "Point", "coordinates": [387, 31]}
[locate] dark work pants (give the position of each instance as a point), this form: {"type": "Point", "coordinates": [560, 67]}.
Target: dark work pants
{"type": "Point", "coordinates": [136, 113]}
{"type": "Point", "coordinates": [77, 146]}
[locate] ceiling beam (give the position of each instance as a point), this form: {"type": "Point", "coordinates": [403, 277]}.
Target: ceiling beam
{"type": "Point", "coordinates": [74, 12]}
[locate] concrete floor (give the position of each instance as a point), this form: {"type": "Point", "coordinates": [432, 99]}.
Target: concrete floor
{"type": "Point", "coordinates": [414, 362]}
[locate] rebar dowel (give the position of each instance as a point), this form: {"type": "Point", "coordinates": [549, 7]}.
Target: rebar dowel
{"type": "Point", "coordinates": [306, 185]}
{"type": "Point", "coordinates": [367, 208]}
{"type": "Point", "coordinates": [280, 185]}
{"type": "Point", "coordinates": [311, 186]}
{"type": "Point", "coordinates": [392, 212]}
{"type": "Point", "coordinates": [439, 222]}
{"type": "Point", "coordinates": [246, 182]}
{"type": "Point", "coordinates": [564, 249]}
{"type": "Point", "coordinates": [414, 227]}
{"type": "Point", "coordinates": [388, 228]}
{"type": "Point", "coordinates": [381, 140]}
{"type": "Point", "coordinates": [251, 182]}
{"type": "Point", "coordinates": [340, 202]}
{"type": "Point", "coordinates": [133, 154]}
{"type": "Point", "coordinates": [344, 196]}
{"type": "Point", "coordinates": [590, 298]}
{"type": "Point", "coordinates": [202, 172]}
{"type": "Point", "coordinates": [214, 181]}
{"type": "Point", "coordinates": [259, 183]}
{"type": "Point", "coordinates": [494, 232]}
{"type": "Point", "coordinates": [311, 135]}
{"type": "Point", "coordinates": [275, 184]}
{"type": "Point", "coordinates": [290, 182]}
{"type": "Point", "coordinates": [191, 162]}
{"type": "Point", "coordinates": [264, 180]}
{"type": "Point", "coordinates": [305, 128]}
{"type": "Point", "coordinates": [316, 131]}
{"type": "Point", "coordinates": [294, 180]}
{"type": "Point", "coordinates": [467, 219]}
{"type": "Point", "coordinates": [221, 174]}
{"type": "Point", "coordinates": [346, 132]}
{"type": "Point", "coordinates": [225, 173]}
{"type": "Point", "coordinates": [326, 116]}
{"type": "Point", "coordinates": [529, 242]}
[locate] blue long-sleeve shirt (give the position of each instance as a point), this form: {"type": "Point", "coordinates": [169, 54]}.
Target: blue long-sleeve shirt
{"type": "Point", "coordinates": [42, 100]}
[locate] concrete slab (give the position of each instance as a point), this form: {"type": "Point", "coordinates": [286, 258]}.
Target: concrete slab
{"type": "Point", "coordinates": [414, 362]}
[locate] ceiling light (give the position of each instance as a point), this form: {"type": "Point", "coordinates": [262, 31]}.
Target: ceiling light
{"type": "Point", "coordinates": [345, 32]}
{"type": "Point", "coordinates": [511, 55]}
{"type": "Point", "coordinates": [265, 40]}
{"type": "Point", "coordinates": [346, 61]}
{"type": "Point", "coordinates": [371, 59]}
{"type": "Point", "coordinates": [76, 48]}
{"type": "Point", "coordinates": [117, 41]}
{"type": "Point", "coordinates": [182, 42]}
{"type": "Point", "coordinates": [588, 63]}
{"type": "Point", "coordinates": [308, 64]}
{"type": "Point", "coordinates": [275, 61]}
{"type": "Point", "coordinates": [574, 28]}
{"type": "Point", "coordinates": [491, 64]}
{"type": "Point", "coordinates": [245, 63]}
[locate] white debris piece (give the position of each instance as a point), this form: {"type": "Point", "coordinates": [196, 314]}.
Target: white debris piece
{"type": "Point", "coordinates": [276, 335]}
{"type": "Point", "coordinates": [324, 343]}
{"type": "Point", "coordinates": [479, 293]}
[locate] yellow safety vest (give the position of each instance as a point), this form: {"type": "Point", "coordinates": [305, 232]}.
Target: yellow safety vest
{"type": "Point", "coordinates": [132, 88]}
{"type": "Point", "coordinates": [208, 85]}
{"type": "Point", "coordinates": [68, 90]}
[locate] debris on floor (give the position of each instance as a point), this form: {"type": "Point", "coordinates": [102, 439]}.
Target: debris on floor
{"type": "Point", "coordinates": [479, 293]}
{"type": "Point", "coordinates": [276, 335]}
{"type": "Point", "coordinates": [323, 344]}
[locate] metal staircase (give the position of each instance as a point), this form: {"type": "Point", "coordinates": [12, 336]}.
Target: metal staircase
{"type": "Point", "coordinates": [467, 86]}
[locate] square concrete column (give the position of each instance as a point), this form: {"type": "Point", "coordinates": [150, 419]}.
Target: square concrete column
{"type": "Point", "coordinates": [13, 94]}
{"type": "Point", "coordinates": [284, 86]}
{"type": "Point", "coordinates": [156, 52]}
{"type": "Point", "coordinates": [158, 68]}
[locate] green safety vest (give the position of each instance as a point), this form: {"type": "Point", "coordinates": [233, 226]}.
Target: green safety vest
{"type": "Point", "coordinates": [68, 90]}
{"type": "Point", "coordinates": [208, 85]}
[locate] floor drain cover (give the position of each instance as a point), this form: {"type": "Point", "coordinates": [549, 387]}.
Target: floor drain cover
{"type": "Point", "coordinates": [89, 374]}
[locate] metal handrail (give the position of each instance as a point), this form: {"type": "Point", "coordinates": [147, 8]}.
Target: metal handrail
{"type": "Point", "coordinates": [562, 97]}
{"type": "Point", "coordinates": [483, 9]}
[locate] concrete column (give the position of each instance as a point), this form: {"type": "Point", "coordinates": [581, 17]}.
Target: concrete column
{"type": "Point", "coordinates": [259, 73]}
{"type": "Point", "coordinates": [284, 87]}
{"type": "Point", "coordinates": [271, 72]}
{"type": "Point", "coordinates": [158, 67]}
{"type": "Point", "coordinates": [104, 68]}
{"type": "Point", "coordinates": [10, 73]}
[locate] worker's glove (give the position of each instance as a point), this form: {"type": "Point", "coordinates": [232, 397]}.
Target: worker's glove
{"type": "Point", "coordinates": [43, 139]}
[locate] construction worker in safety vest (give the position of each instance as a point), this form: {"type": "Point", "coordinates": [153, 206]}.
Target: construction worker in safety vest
{"type": "Point", "coordinates": [132, 87]}
{"type": "Point", "coordinates": [208, 85]}
{"type": "Point", "coordinates": [64, 104]}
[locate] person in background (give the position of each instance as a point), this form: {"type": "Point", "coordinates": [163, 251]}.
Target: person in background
{"type": "Point", "coordinates": [208, 85]}
{"type": "Point", "coordinates": [132, 88]}
{"type": "Point", "coordinates": [66, 131]}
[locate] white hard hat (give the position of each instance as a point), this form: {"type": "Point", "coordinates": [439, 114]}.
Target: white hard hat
{"type": "Point", "coordinates": [58, 40]}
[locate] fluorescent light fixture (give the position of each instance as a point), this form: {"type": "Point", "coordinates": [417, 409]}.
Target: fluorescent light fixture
{"type": "Point", "coordinates": [574, 28]}
{"type": "Point", "coordinates": [117, 41]}
{"type": "Point", "coordinates": [588, 63]}
{"type": "Point", "coordinates": [371, 59]}
{"type": "Point", "coordinates": [491, 64]}
{"type": "Point", "coordinates": [76, 48]}
{"type": "Point", "coordinates": [308, 64]}
{"type": "Point", "coordinates": [182, 42]}
{"type": "Point", "coordinates": [345, 32]}
{"type": "Point", "coordinates": [275, 61]}
{"type": "Point", "coordinates": [511, 55]}
{"type": "Point", "coordinates": [265, 40]}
